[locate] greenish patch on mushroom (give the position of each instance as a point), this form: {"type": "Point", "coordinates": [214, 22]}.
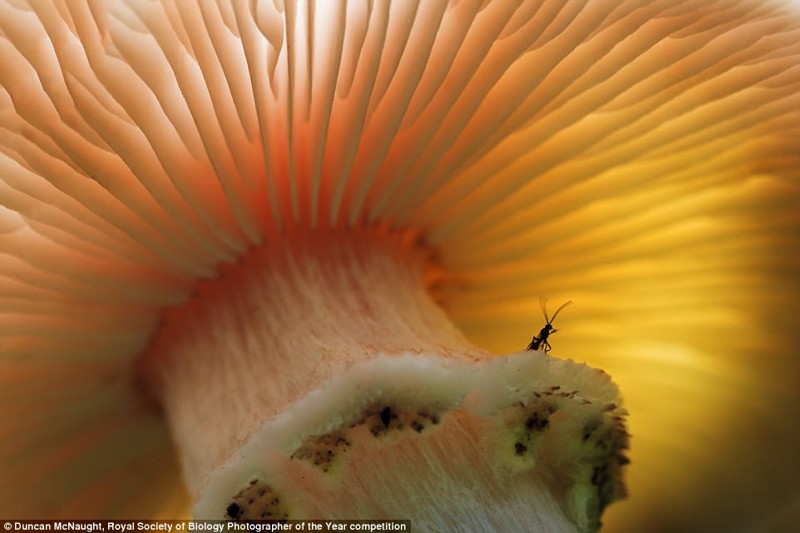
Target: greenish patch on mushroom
{"type": "Point", "coordinates": [603, 444]}
{"type": "Point", "coordinates": [256, 501]}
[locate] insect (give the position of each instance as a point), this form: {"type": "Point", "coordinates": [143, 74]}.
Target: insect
{"type": "Point", "coordinates": [547, 330]}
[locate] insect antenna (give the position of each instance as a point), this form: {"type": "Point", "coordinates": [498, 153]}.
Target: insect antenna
{"type": "Point", "coordinates": [543, 304]}
{"type": "Point", "coordinates": [559, 310]}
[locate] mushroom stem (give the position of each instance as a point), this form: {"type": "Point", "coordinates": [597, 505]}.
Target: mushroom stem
{"type": "Point", "coordinates": [321, 362]}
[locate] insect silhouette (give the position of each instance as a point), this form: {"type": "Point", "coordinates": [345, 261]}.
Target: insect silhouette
{"type": "Point", "coordinates": [547, 330]}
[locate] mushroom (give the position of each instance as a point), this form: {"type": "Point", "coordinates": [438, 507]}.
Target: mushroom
{"type": "Point", "coordinates": [274, 220]}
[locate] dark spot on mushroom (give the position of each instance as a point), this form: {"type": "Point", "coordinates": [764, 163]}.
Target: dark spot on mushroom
{"type": "Point", "coordinates": [536, 422]}
{"type": "Point", "coordinates": [322, 450]}
{"type": "Point", "coordinates": [255, 502]}
{"type": "Point", "coordinates": [233, 511]}
{"type": "Point", "coordinates": [386, 416]}
{"type": "Point", "coordinates": [384, 419]}
{"type": "Point", "coordinates": [528, 421]}
{"type": "Point", "coordinates": [595, 476]}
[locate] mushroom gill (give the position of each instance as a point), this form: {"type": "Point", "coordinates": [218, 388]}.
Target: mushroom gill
{"type": "Point", "coordinates": [314, 199]}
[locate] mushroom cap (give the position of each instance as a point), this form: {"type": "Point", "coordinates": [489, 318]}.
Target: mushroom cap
{"type": "Point", "coordinates": [640, 158]}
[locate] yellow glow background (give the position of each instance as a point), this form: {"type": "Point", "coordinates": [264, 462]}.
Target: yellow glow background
{"type": "Point", "coordinates": [694, 316]}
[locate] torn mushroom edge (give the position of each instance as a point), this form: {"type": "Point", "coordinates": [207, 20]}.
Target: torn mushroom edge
{"type": "Point", "coordinates": [481, 388]}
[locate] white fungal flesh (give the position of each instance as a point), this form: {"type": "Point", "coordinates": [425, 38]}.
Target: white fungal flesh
{"type": "Point", "coordinates": [437, 442]}
{"type": "Point", "coordinates": [640, 157]}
